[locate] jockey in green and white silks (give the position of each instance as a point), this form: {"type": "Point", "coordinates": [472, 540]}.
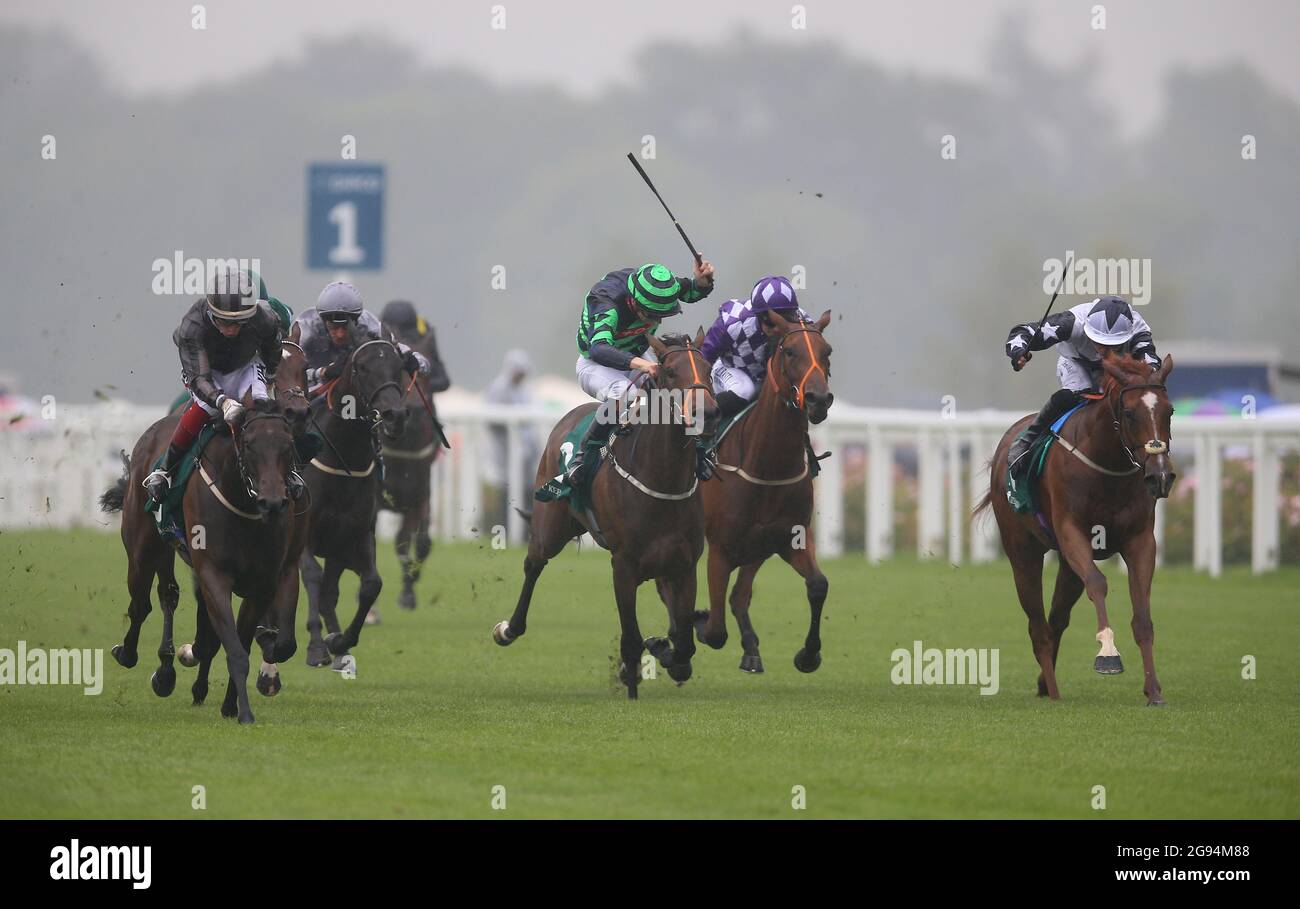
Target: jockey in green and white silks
{"type": "Point", "coordinates": [621, 311]}
{"type": "Point", "coordinates": [1081, 334]}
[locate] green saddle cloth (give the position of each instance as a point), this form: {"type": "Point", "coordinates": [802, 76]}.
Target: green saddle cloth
{"type": "Point", "coordinates": [1020, 490]}
{"type": "Point", "coordinates": [557, 487]}
{"type": "Point", "coordinates": [169, 513]}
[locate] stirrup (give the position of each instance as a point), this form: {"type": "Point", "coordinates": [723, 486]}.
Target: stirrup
{"type": "Point", "coordinates": [296, 484]}
{"type": "Point", "coordinates": [150, 484]}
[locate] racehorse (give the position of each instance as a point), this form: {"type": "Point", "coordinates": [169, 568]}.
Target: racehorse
{"type": "Point", "coordinates": [244, 537]}
{"type": "Point", "coordinates": [344, 482]}
{"type": "Point", "coordinates": [1096, 497]}
{"type": "Point", "coordinates": [644, 506]}
{"type": "Point", "coordinates": [408, 469]}
{"type": "Point", "coordinates": [761, 500]}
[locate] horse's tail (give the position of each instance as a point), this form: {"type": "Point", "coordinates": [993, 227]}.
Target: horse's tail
{"type": "Point", "coordinates": [114, 497]}
{"type": "Point", "coordinates": [987, 499]}
{"type": "Point", "coordinates": [526, 515]}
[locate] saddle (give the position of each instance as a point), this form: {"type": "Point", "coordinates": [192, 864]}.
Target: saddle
{"type": "Point", "coordinates": [1021, 490]}
{"type": "Point", "coordinates": [168, 515]}
{"type": "Point", "coordinates": [556, 488]}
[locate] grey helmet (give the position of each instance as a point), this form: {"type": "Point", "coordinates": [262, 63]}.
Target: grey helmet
{"type": "Point", "coordinates": [231, 295]}
{"type": "Point", "coordinates": [1110, 321]}
{"type": "Point", "coordinates": [339, 301]}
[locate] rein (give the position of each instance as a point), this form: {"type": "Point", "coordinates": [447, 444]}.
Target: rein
{"type": "Point", "coordinates": [1152, 447]}
{"type": "Point", "coordinates": [697, 383]}
{"type": "Point", "coordinates": [243, 469]}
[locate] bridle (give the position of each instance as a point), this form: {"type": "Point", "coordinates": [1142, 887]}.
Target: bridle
{"type": "Point", "coordinates": [795, 399]}
{"type": "Point", "coordinates": [365, 397]}
{"type": "Point", "coordinates": [245, 479]}
{"type": "Point", "coordinates": [1151, 447]}
{"type": "Point", "coordinates": [692, 351]}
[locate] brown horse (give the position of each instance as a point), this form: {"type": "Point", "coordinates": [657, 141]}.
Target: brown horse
{"type": "Point", "coordinates": [344, 482]}
{"type": "Point", "coordinates": [761, 501]}
{"type": "Point", "coordinates": [408, 465]}
{"type": "Point", "coordinates": [244, 536]}
{"type": "Point", "coordinates": [1097, 497]}
{"type": "Point", "coordinates": [646, 509]}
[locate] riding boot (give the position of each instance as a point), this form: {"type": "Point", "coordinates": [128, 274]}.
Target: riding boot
{"type": "Point", "coordinates": [730, 404]}
{"type": "Point", "coordinates": [597, 431]}
{"type": "Point", "coordinates": [159, 482]}
{"type": "Point", "coordinates": [706, 459]}
{"type": "Point", "coordinates": [1060, 401]}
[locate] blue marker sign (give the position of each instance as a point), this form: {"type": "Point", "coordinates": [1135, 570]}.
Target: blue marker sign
{"type": "Point", "coordinates": [345, 216]}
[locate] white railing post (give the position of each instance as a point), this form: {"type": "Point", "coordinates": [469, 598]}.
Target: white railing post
{"type": "Point", "coordinates": [828, 494]}
{"type": "Point", "coordinates": [955, 517]}
{"type": "Point", "coordinates": [983, 528]}
{"type": "Point", "coordinates": [929, 495]}
{"type": "Point", "coordinates": [880, 495]}
{"type": "Point", "coordinates": [1264, 537]}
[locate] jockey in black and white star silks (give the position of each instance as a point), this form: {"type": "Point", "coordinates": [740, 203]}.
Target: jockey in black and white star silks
{"type": "Point", "coordinates": [1080, 334]}
{"type": "Point", "coordinates": [736, 343]}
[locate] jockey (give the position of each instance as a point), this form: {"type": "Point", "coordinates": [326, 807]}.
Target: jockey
{"type": "Point", "coordinates": [229, 345]}
{"type": "Point", "coordinates": [325, 333]}
{"type": "Point", "coordinates": [409, 327]}
{"type": "Point", "coordinates": [621, 310]}
{"type": "Point", "coordinates": [736, 344]}
{"type": "Point", "coordinates": [1083, 334]}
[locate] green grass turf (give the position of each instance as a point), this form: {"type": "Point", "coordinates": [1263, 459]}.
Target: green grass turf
{"type": "Point", "coordinates": [439, 715]}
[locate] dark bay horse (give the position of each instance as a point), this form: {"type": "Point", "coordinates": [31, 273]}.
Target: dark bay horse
{"type": "Point", "coordinates": [408, 463]}
{"type": "Point", "coordinates": [646, 508]}
{"type": "Point", "coordinates": [344, 482]}
{"type": "Point", "coordinates": [244, 536]}
{"type": "Point", "coordinates": [760, 502]}
{"type": "Point", "coordinates": [1097, 495]}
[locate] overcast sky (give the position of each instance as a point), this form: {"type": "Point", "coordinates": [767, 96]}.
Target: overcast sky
{"type": "Point", "coordinates": [586, 45]}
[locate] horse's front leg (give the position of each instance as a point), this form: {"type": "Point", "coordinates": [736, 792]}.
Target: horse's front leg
{"type": "Point", "coordinates": [626, 581]}
{"type": "Point", "coordinates": [711, 626]}
{"type": "Point", "coordinates": [1076, 549]}
{"type": "Point", "coordinates": [1140, 556]}
{"type": "Point", "coordinates": [804, 561]}
{"type": "Point", "coordinates": [169, 594]}
{"type": "Point", "coordinates": [317, 652]}
{"type": "Point", "coordinates": [742, 594]}
{"type": "Point", "coordinates": [217, 596]}
{"type": "Point", "coordinates": [371, 585]}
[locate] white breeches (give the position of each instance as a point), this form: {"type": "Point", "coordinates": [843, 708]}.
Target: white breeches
{"type": "Point", "coordinates": [236, 383]}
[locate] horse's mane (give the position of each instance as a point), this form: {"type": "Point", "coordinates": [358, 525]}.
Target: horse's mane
{"type": "Point", "coordinates": [676, 340]}
{"type": "Point", "coordinates": [1135, 369]}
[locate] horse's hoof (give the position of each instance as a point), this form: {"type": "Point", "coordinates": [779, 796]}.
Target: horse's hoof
{"type": "Point", "coordinates": [186, 656]}
{"type": "Point", "coordinates": [1108, 665]}
{"type": "Point", "coordinates": [229, 711]}
{"type": "Point", "coordinates": [336, 643]}
{"type": "Point", "coordinates": [501, 634]}
{"type": "Point", "coordinates": [345, 665]}
{"type": "Point", "coordinates": [679, 673]}
{"type": "Point", "coordinates": [631, 692]}
{"type": "Point", "coordinates": [246, 720]}
{"type": "Point", "coordinates": [406, 599]}
{"type": "Point", "coordinates": [163, 681]}
{"type": "Point", "coordinates": [661, 649]}
{"type": "Point", "coordinates": [1156, 701]}
{"type": "Point", "coordinates": [1042, 688]}
{"type": "Point", "coordinates": [269, 685]}
{"type": "Point", "coordinates": [751, 662]}
{"type": "Point", "coordinates": [807, 662]}
{"type": "Point", "coordinates": [318, 654]}
{"type": "Point", "coordinates": [701, 623]}
{"type": "Point", "coordinates": [200, 694]}
{"type": "Point", "coordinates": [372, 617]}
{"type": "Point", "coordinates": [124, 659]}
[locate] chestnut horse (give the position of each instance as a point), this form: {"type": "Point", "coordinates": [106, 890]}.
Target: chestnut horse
{"type": "Point", "coordinates": [1097, 495]}
{"type": "Point", "coordinates": [760, 502]}
{"type": "Point", "coordinates": [646, 509]}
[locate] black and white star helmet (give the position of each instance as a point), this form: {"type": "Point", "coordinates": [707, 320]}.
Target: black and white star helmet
{"type": "Point", "coordinates": [1110, 321]}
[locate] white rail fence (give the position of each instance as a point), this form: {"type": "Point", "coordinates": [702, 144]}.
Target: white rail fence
{"type": "Point", "coordinates": [52, 477]}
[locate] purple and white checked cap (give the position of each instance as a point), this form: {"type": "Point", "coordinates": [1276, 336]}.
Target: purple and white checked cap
{"type": "Point", "coordinates": [773, 292]}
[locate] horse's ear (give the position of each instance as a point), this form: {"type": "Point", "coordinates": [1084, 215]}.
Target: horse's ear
{"type": "Point", "coordinates": [699, 337]}
{"type": "Point", "coordinates": [1165, 369]}
{"type": "Point", "coordinates": [656, 345]}
{"type": "Point", "coordinates": [824, 321]}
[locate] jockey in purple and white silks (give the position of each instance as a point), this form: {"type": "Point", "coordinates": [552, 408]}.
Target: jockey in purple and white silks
{"type": "Point", "coordinates": [1081, 334]}
{"type": "Point", "coordinates": [736, 344]}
